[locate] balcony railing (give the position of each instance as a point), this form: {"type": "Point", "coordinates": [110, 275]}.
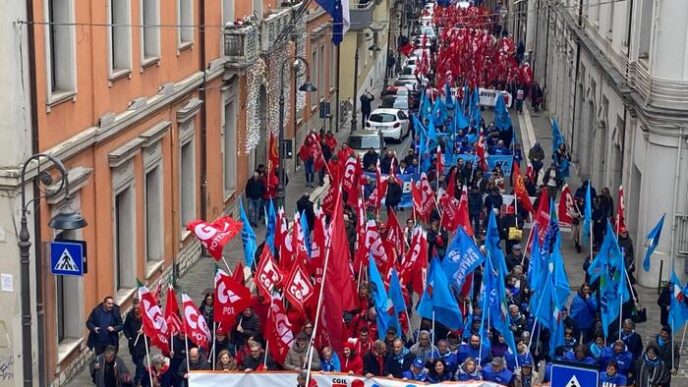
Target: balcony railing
{"type": "Point", "coordinates": [241, 45]}
{"type": "Point", "coordinates": [271, 27]}
{"type": "Point", "coordinates": [362, 13]}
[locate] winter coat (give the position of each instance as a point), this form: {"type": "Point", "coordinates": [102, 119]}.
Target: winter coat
{"type": "Point", "coordinates": [634, 343]}
{"type": "Point", "coordinates": [475, 203]}
{"type": "Point", "coordinates": [99, 318]}
{"type": "Point", "coordinates": [526, 381]}
{"type": "Point", "coordinates": [132, 325]}
{"type": "Point", "coordinates": [98, 374]}
{"type": "Point", "coordinates": [296, 358]}
{"type": "Point", "coordinates": [425, 353]}
{"type": "Point", "coordinates": [652, 373]}
{"type": "Point", "coordinates": [353, 364]}
{"type": "Point", "coordinates": [466, 351]}
{"type": "Point", "coordinates": [332, 365]}
{"type": "Point", "coordinates": [422, 376]}
{"type": "Point", "coordinates": [616, 380]}
{"type": "Point", "coordinates": [393, 197]}
{"type": "Point", "coordinates": [201, 364]}
{"type": "Point", "coordinates": [252, 363]}
{"type": "Point", "coordinates": [395, 365]}
{"type": "Point", "coordinates": [624, 360]}
{"type": "Point", "coordinates": [374, 365]}
{"type": "Point", "coordinates": [463, 376]}
{"type": "Point", "coordinates": [370, 159]}
{"type": "Point", "coordinates": [665, 349]}
{"type": "Point", "coordinates": [502, 377]}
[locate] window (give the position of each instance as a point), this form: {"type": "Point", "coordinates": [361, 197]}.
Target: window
{"type": "Point", "coordinates": [120, 39]}
{"type": "Point", "coordinates": [68, 301]}
{"type": "Point", "coordinates": [154, 221]}
{"type": "Point", "coordinates": [230, 151]}
{"type": "Point", "coordinates": [60, 47]}
{"type": "Point", "coordinates": [227, 11]}
{"type": "Point", "coordinates": [185, 31]}
{"type": "Point", "coordinates": [187, 183]}
{"type": "Point", "coordinates": [315, 97]}
{"type": "Point", "coordinates": [645, 35]}
{"type": "Point", "coordinates": [150, 32]}
{"type": "Point", "coordinates": [322, 81]}
{"type": "Point", "coordinates": [333, 66]}
{"type": "Point", "coordinates": [125, 244]}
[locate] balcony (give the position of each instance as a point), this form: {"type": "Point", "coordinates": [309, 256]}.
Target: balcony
{"type": "Point", "coordinates": [241, 46]}
{"type": "Point", "coordinates": [362, 13]}
{"type": "Point", "coordinates": [271, 27]}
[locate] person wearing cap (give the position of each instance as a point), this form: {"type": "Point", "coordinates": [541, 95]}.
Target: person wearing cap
{"type": "Point", "coordinates": [611, 377]}
{"type": "Point", "coordinates": [619, 354]}
{"type": "Point", "coordinates": [296, 359]}
{"type": "Point", "coordinates": [390, 336]}
{"type": "Point", "coordinates": [526, 376]}
{"type": "Point", "coordinates": [221, 342]}
{"type": "Point", "coordinates": [399, 360]}
{"type": "Point", "coordinates": [416, 372]}
{"type": "Point", "coordinates": [352, 364]}
{"type": "Point", "coordinates": [496, 372]}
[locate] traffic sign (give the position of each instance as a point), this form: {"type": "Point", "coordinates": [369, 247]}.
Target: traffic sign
{"type": "Point", "coordinates": [67, 257]}
{"type": "Point", "coordinates": [574, 375]}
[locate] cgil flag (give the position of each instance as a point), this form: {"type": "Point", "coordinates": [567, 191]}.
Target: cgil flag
{"type": "Point", "coordinates": [174, 322]}
{"type": "Point", "coordinates": [230, 299]}
{"type": "Point", "coordinates": [195, 326]}
{"type": "Point", "coordinates": [341, 19]}
{"type": "Point", "coordinates": [652, 242]}
{"type": "Point", "coordinates": [153, 322]}
{"type": "Point", "coordinates": [214, 236]}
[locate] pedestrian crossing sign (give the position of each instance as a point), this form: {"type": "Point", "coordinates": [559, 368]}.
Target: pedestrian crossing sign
{"type": "Point", "coordinates": [573, 375]}
{"type": "Point", "coordinates": [67, 257]}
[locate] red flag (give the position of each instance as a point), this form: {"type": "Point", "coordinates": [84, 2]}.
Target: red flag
{"type": "Point", "coordinates": [450, 212]}
{"type": "Point", "coordinates": [174, 322]}
{"type": "Point", "coordinates": [520, 190]}
{"type": "Point", "coordinates": [440, 163]}
{"type": "Point", "coordinates": [278, 330]}
{"type": "Point", "coordinates": [451, 184]}
{"type": "Point", "coordinates": [428, 196]}
{"type": "Point", "coordinates": [231, 298]}
{"type": "Point", "coordinates": [328, 201]}
{"type": "Point", "coordinates": [281, 235]}
{"type": "Point", "coordinates": [352, 172]}
{"type": "Point", "coordinates": [298, 242]}
{"type": "Point", "coordinates": [238, 274]}
{"type": "Point", "coordinates": [415, 259]}
{"type": "Point", "coordinates": [567, 208]}
{"type": "Point", "coordinates": [541, 219]}
{"type": "Point", "coordinates": [214, 236]}
{"type": "Point", "coordinates": [339, 290]}
{"type": "Point", "coordinates": [417, 199]}
{"type": "Point", "coordinates": [195, 326]}
{"type": "Point", "coordinates": [298, 288]}
{"type": "Point", "coordinates": [320, 240]}
{"type": "Point", "coordinates": [620, 213]}
{"type": "Point", "coordinates": [480, 152]}
{"type": "Point", "coordinates": [153, 321]}
{"type": "Point", "coordinates": [268, 275]}
{"type": "Point", "coordinates": [395, 234]}
{"type": "Point", "coordinates": [361, 258]}
{"type": "Point", "coordinates": [464, 219]}
{"type": "Point", "coordinates": [373, 245]}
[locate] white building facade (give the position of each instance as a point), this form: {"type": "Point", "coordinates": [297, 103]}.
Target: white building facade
{"type": "Point", "coordinates": [615, 75]}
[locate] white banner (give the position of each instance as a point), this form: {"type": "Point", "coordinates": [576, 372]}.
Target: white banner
{"type": "Point", "coordinates": [288, 379]}
{"type": "Point", "coordinates": [488, 97]}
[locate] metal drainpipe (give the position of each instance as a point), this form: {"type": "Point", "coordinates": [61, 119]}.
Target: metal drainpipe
{"type": "Point", "coordinates": [204, 119]}
{"type": "Point", "coordinates": [35, 148]}
{"type": "Point", "coordinates": [677, 176]}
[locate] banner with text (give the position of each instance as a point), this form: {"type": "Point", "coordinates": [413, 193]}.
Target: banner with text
{"type": "Point", "coordinates": [288, 379]}
{"type": "Point", "coordinates": [506, 162]}
{"type": "Point", "coordinates": [488, 97]}
{"type": "Point", "coordinates": [406, 179]}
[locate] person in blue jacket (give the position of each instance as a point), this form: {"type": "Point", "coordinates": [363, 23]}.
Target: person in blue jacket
{"type": "Point", "coordinates": [611, 378]}
{"type": "Point", "coordinates": [472, 349]}
{"type": "Point", "coordinates": [580, 355]}
{"type": "Point", "coordinates": [497, 372]}
{"type": "Point", "coordinates": [329, 362]}
{"type": "Point", "coordinates": [597, 346]}
{"type": "Point", "coordinates": [619, 354]}
{"type": "Point", "coordinates": [417, 372]}
{"type": "Point", "coordinates": [583, 308]}
{"type": "Point", "coordinates": [439, 372]}
{"type": "Point", "coordinates": [468, 371]}
{"type": "Point", "coordinates": [449, 357]}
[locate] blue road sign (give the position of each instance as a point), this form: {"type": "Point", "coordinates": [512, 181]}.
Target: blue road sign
{"type": "Point", "coordinates": [67, 257]}
{"type": "Point", "coordinates": [568, 375]}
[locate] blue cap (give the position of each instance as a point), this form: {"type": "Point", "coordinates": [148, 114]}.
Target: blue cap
{"type": "Point", "coordinates": [418, 363]}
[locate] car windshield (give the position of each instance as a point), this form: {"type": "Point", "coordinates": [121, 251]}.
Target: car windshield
{"type": "Point", "coordinates": [382, 117]}
{"type": "Point", "coordinates": [364, 142]}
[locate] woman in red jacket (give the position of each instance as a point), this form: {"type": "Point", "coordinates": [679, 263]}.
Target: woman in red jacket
{"type": "Point", "coordinates": [351, 362]}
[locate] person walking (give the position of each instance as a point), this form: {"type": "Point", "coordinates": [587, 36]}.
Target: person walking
{"type": "Point", "coordinates": [255, 189]}
{"type": "Point", "coordinates": [136, 340]}
{"type": "Point", "coordinates": [108, 369]}
{"type": "Point", "coordinates": [366, 99]}
{"type": "Point", "coordinates": [104, 324]}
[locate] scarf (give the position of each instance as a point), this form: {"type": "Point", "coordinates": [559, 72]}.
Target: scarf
{"type": "Point", "coordinates": [650, 362]}
{"type": "Point", "coordinates": [400, 357]}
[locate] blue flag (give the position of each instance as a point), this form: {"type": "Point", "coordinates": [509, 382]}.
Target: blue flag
{"type": "Point", "coordinates": [502, 118]}
{"type": "Point", "coordinates": [379, 296]}
{"type": "Point", "coordinates": [557, 139]}
{"type": "Point", "coordinates": [306, 232]}
{"type": "Point", "coordinates": [438, 298]}
{"type": "Point", "coordinates": [461, 259]}
{"type": "Point", "coordinates": [560, 279]}
{"type": "Point", "coordinates": [339, 11]}
{"type": "Point", "coordinates": [270, 227]}
{"type": "Point", "coordinates": [492, 244]}
{"type": "Point", "coordinates": [587, 215]}
{"type": "Point", "coordinates": [497, 308]}
{"type": "Point", "coordinates": [248, 237]}
{"type": "Point", "coordinates": [608, 255]}
{"type": "Point", "coordinates": [448, 100]}
{"type": "Point", "coordinates": [678, 312]}
{"type": "Point", "coordinates": [475, 108]}
{"type": "Point", "coordinates": [460, 120]}
{"type": "Point", "coordinates": [652, 242]}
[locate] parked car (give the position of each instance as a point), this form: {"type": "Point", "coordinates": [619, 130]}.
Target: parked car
{"type": "Point", "coordinates": [392, 123]}
{"type": "Point", "coordinates": [361, 141]}
{"type": "Point", "coordinates": [396, 102]}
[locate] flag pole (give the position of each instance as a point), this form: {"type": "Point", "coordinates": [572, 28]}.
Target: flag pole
{"type": "Point", "coordinates": [150, 366]}
{"type": "Point", "coordinates": [227, 265]}
{"type": "Point", "coordinates": [433, 328]}
{"type": "Point", "coordinates": [212, 350]}
{"type": "Point", "coordinates": [267, 341]}
{"type": "Point", "coordinates": [186, 344]}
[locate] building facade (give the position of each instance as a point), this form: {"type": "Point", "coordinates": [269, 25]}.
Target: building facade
{"type": "Point", "coordinates": [615, 76]}
{"type": "Point", "coordinates": [159, 110]}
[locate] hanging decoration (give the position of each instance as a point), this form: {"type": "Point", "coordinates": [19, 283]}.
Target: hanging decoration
{"type": "Point", "coordinates": [256, 77]}
{"type": "Point", "coordinates": [276, 60]}
{"type": "Point", "coordinates": [301, 79]}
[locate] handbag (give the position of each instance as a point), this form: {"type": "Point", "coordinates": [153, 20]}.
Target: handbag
{"type": "Point", "coordinates": [639, 315]}
{"type": "Point", "coordinates": [515, 234]}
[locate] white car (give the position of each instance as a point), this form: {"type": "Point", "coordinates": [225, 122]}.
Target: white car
{"type": "Point", "coordinates": [392, 123]}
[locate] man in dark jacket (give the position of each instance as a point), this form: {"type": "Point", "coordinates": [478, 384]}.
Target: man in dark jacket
{"type": "Point", "coordinates": [108, 369]}
{"type": "Point", "coordinates": [387, 162]}
{"type": "Point", "coordinates": [137, 346]}
{"type": "Point", "coordinates": [255, 189]}
{"type": "Point", "coordinates": [256, 358]}
{"type": "Point", "coordinates": [196, 362]}
{"type": "Point", "coordinates": [399, 360]}
{"type": "Point", "coordinates": [475, 206]}
{"type": "Point", "coordinates": [393, 197]}
{"type": "Point", "coordinates": [104, 324]}
{"type": "Point", "coordinates": [305, 206]}
{"type": "Point", "coordinates": [374, 361]}
{"type": "Point", "coordinates": [248, 325]}
{"type": "Point", "coordinates": [366, 100]}
{"type": "Point", "coordinates": [370, 158]}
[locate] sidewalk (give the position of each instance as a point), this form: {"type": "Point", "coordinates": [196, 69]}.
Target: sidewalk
{"type": "Point", "coordinates": [536, 127]}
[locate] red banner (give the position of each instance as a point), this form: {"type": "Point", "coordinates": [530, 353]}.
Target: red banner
{"type": "Point", "coordinates": [214, 236]}
{"type": "Point", "coordinates": [231, 298]}
{"type": "Point", "coordinates": [299, 290]}
{"type": "Point", "coordinates": [153, 321]}
{"type": "Point", "coordinates": [278, 330]}
{"type": "Point", "coordinates": [195, 326]}
{"type": "Point", "coordinates": [268, 275]}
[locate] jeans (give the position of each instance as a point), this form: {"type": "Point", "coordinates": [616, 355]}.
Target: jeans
{"type": "Point", "coordinates": [140, 369]}
{"type": "Point", "coordinates": [310, 175]}
{"type": "Point", "coordinates": [255, 206]}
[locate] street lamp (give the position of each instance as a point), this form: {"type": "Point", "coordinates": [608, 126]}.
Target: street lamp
{"type": "Point", "coordinates": [374, 47]}
{"type": "Point", "coordinates": [307, 87]}
{"type": "Point", "coordinates": [66, 219]}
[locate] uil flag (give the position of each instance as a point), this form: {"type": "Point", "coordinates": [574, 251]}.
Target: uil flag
{"type": "Point", "coordinates": [620, 213]}
{"type": "Point", "coordinates": [247, 236]}
{"type": "Point", "coordinates": [214, 236]}
{"type": "Point", "coordinates": [195, 326]}
{"type": "Point", "coordinates": [153, 321]}
{"type": "Point", "coordinates": [298, 288]}
{"type": "Point", "coordinates": [231, 298]}
{"type": "Point", "coordinates": [268, 274]}
{"type": "Point", "coordinates": [174, 322]}
{"type": "Point", "coordinates": [278, 330]}
{"type": "Point", "coordinates": [652, 242]}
